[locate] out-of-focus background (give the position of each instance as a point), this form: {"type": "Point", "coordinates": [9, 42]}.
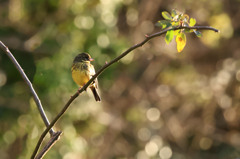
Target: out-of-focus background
{"type": "Point", "coordinates": [156, 103]}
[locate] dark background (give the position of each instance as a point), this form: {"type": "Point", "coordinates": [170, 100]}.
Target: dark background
{"type": "Point", "coordinates": [156, 103]}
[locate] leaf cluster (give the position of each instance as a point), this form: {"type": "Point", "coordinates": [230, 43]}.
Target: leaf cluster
{"type": "Point", "coordinates": [174, 20]}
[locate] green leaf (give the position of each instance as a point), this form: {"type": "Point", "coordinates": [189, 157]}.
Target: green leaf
{"type": "Point", "coordinates": [192, 22]}
{"type": "Point", "coordinates": [166, 15]}
{"type": "Point", "coordinates": [175, 24]}
{"type": "Point", "coordinates": [163, 23]}
{"type": "Point", "coordinates": [181, 41]}
{"type": "Point", "coordinates": [198, 33]}
{"type": "Point", "coordinates": [176, 32]}
{"type": "Point", "coordinates": [188, 30]}
{"type": "Point", "coordinates": [169, 36]}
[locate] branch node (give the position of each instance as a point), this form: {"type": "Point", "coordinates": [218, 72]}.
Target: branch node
{"type": "Point", "coordinates": [78, 91]}
{"type": "Point", "coordinates": [54, 138]}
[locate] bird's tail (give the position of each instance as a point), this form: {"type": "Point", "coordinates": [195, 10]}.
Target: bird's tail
{"type": "Point", "coordinates": [95, 93]}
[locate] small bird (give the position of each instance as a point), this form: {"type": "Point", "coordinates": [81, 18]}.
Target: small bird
{"type": "Point", "coordinates": [82, 72]}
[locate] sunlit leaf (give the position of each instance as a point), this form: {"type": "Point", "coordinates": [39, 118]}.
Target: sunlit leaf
{"type": "Point", "coordinates": [188, 30]}
{"type": "Point", "coordinates": [163, 23]}
{"type": "Point", "coordinates": [169, 36]}
{"type": "Point", "coordinates": [176, 32]}
{"type": "Point", "coordinates": [166, 15]}
{"type": "Point", "coordinates": [175, 24]}
{"type": "Point", "coordinates": [198, 33]}
{"type": "Point", "coordinates": [181, 41]}
{"type": "Point", "coordinates": [192, 22]}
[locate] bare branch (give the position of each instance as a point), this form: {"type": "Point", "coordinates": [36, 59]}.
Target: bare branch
{"type": "Point", "coordinates": [54, 121]}
{"type": "Point", "coordinates": [25, 78]}
{"type": "Point", "coordinates": [148, 37]}
{"type": "Point", "coordinates": [47, 147]}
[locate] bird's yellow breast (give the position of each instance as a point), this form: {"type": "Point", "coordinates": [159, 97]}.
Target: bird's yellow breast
{"type": "Point", "coordinates": [80, 76]}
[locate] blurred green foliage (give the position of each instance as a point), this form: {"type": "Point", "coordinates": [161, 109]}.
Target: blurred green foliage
{"type": "Point", "coordinates": [156, 103]}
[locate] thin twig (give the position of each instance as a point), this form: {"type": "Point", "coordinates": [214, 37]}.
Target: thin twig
{"type": "Point", "coordinates": [51, 142]}
{"type": "Point", "coordinates": [25, 78]}
{"type": "Point", "coordinates": [102, 69]}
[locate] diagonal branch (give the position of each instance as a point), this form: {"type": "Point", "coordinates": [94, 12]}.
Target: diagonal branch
{"type": "Point", "coordinates": [25, 78]}
{"type": "Point", "coordinates": [149, 37]}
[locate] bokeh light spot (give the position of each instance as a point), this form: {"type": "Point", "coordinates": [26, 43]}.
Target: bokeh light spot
{"type": "Point", "coordinates": [144, 134]}
{"type": "Point", "coordinates": [142, 155]}
{"type": "Point", "coordinates": [127, 59]}
{"type": "Point", "coordinates": [9, 137]}
{"type": "Point", "coordinates": [72, 155]}
{"type": "Point", "coordinates": [132, 17]}
{"type": "Point", "coordinates": [23, 120]}
{"type": "Point", "coordinates": [223, 77]}
{"type": "Point", "coordinates": [84, 22]}
{"type": "Point", "coordinates": [79, 144]}
{"type": "Point", "coordinates": [230, 115]}
{"type": "Point", "coordinates": [151, 148]}
{"type": "Point", "coordinates": [205, 143]}
{"type": "Point", "coordinates": [153, 114]}
{"type": "Point", "coordinates": [104, 118]}
{"type": "Point", "coordinates": [158, 140]}
{"type": "Point", "coordinates": [225, 101]}
{"type": "Point", "coordinates": [109, 19]}
{"type": "Point", "coordinates": [70, 131]}
{"type": "Point", "coordinates": [163, 90]}
{"type": "Point", "coordinates": [103, 40]}
{"type": "Point", "coordinates": [223, 23]}
{"type": "Point", "coordinates": [165, 152]}
{"type": "Point", "coordinates": [64, 149]}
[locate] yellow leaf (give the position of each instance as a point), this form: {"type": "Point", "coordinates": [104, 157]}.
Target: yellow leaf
{"type": "Point", "coordinates": [181, 41]}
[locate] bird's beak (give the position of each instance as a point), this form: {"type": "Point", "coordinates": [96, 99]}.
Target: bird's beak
{"type": "Point", "coordinates": [91, 59]}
